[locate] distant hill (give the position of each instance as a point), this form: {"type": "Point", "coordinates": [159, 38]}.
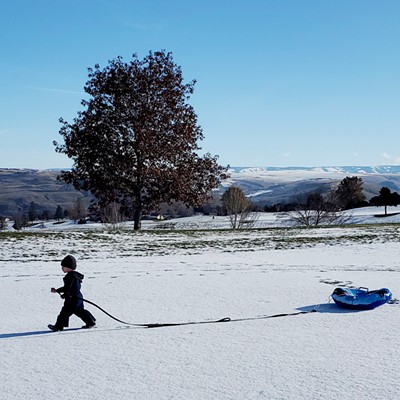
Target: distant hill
{"type": "Point", "coordinates": [272, 185]}
{"type": "Point", "coordinates": [265, 186]}
{"type": "Point", "coordinates": [19, 187]}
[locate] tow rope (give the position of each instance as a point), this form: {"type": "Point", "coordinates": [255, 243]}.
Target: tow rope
{"type": "Point", "coordinates": [274, 316]}
{"type": "Point", "coordinates": [226, 319]}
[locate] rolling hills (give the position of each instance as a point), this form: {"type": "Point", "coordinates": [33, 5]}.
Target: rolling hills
{"type": "Point", "coordinates": [265, 186]}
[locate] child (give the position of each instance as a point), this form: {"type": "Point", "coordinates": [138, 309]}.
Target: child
{"type": "Point", "coordinates": [71, 292]}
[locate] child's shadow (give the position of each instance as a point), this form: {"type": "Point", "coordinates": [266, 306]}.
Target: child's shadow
{"type": "Point", "coordinates": [31, 333]}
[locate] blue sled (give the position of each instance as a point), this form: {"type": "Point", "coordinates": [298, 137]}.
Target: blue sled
{"type": "Point", "coordinates": [361, 298]}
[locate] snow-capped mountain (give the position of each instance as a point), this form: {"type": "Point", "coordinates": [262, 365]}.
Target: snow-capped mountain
{"type": "Point", "coordinates": [355, 170]}
{"type": "Point", "coordinates": [265, 185]}
{"type": "Point", "coordinates": [270, 185]}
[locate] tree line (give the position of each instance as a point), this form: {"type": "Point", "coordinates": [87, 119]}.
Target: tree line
{"type": "Point", "coordinates": [23, 219]}
{"type": "Point", "coordinates": [308, 209]}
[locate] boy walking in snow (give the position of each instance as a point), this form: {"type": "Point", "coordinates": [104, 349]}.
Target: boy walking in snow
{"type": "Point", "coordinates": [73, 299]}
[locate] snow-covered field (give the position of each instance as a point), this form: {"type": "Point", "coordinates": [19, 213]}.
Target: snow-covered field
{"type": "Point", "coordinates": [180, 276]}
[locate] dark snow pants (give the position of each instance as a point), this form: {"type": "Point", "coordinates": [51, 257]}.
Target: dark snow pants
{"type": "Point", "coordinates": [77, 309]}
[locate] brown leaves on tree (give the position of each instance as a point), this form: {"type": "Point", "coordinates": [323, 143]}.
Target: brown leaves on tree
{"type": "Point", "coordinates": [138, 137]}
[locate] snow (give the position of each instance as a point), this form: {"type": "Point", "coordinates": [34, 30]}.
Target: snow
{"type": "Point", "coordinates": [287, 174]}
{"type": "Point", "coordinates": [178, 276]}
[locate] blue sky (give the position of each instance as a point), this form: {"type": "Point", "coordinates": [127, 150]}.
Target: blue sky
{"type": "Point", "coordinates": [279, 82]}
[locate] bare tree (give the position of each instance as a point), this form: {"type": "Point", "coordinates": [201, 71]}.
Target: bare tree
{"type": "Point", "coordinates": [80, 209]}
{"type": "Point", "coordinates": [316, 210]}
{"type": "Point", "coordinates": [112, 215]}
{"type": "Point", "coordinates": [213, 206]}
{"type": "Point", "coordinates": [18, 220]}
{"type": "Point", "coordinates": [239, 208]}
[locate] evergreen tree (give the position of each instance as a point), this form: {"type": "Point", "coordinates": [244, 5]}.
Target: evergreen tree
{"type": "Point", "coordinates": [349, 193]}
{"type": "Point", "coordinates": [386, 198]}
{"type": "Point", "coordinates": [3, 223]}
{"type": "Point", "coordinates": [45, 215]}
{"type": "Point", "coordinates": [32, 213]}
{"type": "Point", "coordinates": [59, 214]}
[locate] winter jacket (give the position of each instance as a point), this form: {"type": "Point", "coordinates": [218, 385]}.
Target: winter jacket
{"type": "Point", "coordinates": [71, 291]}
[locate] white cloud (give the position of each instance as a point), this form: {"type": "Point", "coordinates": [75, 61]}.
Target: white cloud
{"type": "Point", "coordinates": [44, 89]}
{"type": "Point", "coordinates": [386, 155]}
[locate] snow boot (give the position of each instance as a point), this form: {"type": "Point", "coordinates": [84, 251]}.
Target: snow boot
{"type": "Point", "coordinates": [55, 328]}
{"type": "Point", "coordinates": [89, 325]}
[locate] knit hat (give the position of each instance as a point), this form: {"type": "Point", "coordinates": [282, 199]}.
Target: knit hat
{"type": "Point", "coordinates": [69, 262]}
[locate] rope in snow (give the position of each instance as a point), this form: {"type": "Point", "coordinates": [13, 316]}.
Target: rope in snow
{"type": "Point", "coordinates": [157, 325]}
{"type": "Point", "coordinates": [273, 316]}
{"type": "Point", "coordinates": [226, 319]}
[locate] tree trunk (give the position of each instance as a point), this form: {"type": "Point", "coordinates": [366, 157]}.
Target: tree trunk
{"type": "Point", "coordinates": [137, 218]}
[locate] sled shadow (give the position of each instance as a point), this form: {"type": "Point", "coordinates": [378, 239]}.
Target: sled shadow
{"type": "Point", "coordinates": [330, 308]}
{"type": "Point", "coordinates": [31, 333]}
